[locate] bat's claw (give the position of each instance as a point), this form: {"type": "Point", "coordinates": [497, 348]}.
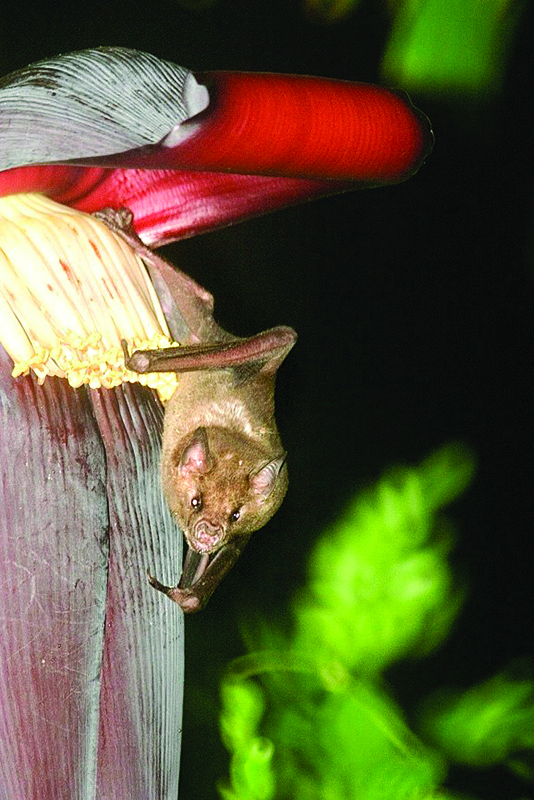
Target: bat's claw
{"type": "Point", "coordinates": [119, 220]}
{"type": "Point", "coordinates": [157, 585]}
{"type": "Point", "coordinates": [187, 599]}
{"type": "Point", "coordinates": [138, 361]}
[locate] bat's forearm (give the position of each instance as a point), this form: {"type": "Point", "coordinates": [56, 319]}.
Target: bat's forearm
{"type": "Point", "coordinates": [265, 350]}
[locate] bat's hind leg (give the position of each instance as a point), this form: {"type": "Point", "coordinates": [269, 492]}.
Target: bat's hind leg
{"type": "Point", "coordinates": [177, 291]}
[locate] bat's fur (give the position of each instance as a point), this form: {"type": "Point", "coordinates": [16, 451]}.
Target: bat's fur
{"type": "Point", "coordinates": [223, 466]}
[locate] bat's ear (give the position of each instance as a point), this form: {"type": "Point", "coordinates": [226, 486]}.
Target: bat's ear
{"type": "Point", "coordinates": [196, 458]}
{"type": "Point", "coordinates": [263, 482]}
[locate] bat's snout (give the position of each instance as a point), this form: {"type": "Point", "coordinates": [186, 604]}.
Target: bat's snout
{"type": "Point", "coordinates": [207, 537]}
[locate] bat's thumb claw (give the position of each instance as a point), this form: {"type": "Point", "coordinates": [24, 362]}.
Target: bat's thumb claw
{"type": "Point", "coordinates": [156, 584]}
{"type": "Point", "coordinates": [138, 361]}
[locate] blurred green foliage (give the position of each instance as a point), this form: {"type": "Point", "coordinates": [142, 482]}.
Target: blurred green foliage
{"type": "Point", "coordinates": [491, 723]}
{"type": "Point", "coordinates": [330, 737]}
{"type": "Point", "coordinates": [455, 47]}
{"type": "Point", "coordinates": [321, 725]}
{"type": "Point", "coordinates": [379, 585]}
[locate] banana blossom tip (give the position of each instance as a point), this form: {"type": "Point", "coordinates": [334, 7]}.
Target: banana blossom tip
{"type": "Point", "coordinates": [188, 153]}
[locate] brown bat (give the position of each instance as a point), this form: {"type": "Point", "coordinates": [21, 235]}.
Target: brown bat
{"type": "Point", "coordinates": [223, 467]}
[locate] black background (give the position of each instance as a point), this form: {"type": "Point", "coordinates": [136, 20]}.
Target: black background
{"type": "Point", "coordinates": [413, 306]}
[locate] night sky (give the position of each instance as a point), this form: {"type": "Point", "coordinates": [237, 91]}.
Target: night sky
{"type": "Point", "coordinates": [413, 306]}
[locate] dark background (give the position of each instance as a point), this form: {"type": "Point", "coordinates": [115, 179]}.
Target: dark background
{"type": "Point", "coordinates": [413, 306]}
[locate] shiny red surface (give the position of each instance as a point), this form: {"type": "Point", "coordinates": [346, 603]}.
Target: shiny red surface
{"type": "Point", "coordinates": [265, 141]}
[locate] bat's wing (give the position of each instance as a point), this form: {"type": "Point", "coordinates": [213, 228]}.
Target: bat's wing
{"type": "Point", "coordinates": [263, 352]}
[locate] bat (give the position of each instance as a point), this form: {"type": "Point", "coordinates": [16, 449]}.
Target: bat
{"type": "Point", "coordinates": [223, 467]}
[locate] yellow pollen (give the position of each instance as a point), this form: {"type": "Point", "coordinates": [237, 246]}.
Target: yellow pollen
{"type": "Point", "coordinates": [70, 291]}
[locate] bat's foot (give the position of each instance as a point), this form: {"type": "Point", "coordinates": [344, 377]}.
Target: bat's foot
{"type": "Point", "coordinates": [187, 599]}
{"type": "Point", "coordinates": [119, 220]}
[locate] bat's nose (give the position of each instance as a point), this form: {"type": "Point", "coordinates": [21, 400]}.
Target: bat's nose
{"type": "Point", "coordinates": [208, 536]}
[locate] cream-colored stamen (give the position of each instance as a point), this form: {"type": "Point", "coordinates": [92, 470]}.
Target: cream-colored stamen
{"type": "Point", "coordinates": [70, 291]}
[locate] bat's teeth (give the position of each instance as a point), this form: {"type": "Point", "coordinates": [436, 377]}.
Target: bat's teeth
{"type": "Point", "coordinates": [207, 546]}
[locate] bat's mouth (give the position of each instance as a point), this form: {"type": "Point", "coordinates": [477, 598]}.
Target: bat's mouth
{"type": "Point", "coordinates": [203, 544]}
{"type": "Point", "coordinates": [194, 566]}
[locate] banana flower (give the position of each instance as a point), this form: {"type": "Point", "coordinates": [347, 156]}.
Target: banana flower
{"type": "Point", "coordinates": [90, 655]}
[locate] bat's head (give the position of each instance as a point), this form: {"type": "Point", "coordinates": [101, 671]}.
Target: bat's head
{"type": "Point", "coordinates": [223, 486]}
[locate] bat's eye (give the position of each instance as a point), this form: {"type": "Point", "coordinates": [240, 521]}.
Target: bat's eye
{"type": "Point", "coordinates": [234, 516]}
{"type": "Point", "coordinates": [196, 502]}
